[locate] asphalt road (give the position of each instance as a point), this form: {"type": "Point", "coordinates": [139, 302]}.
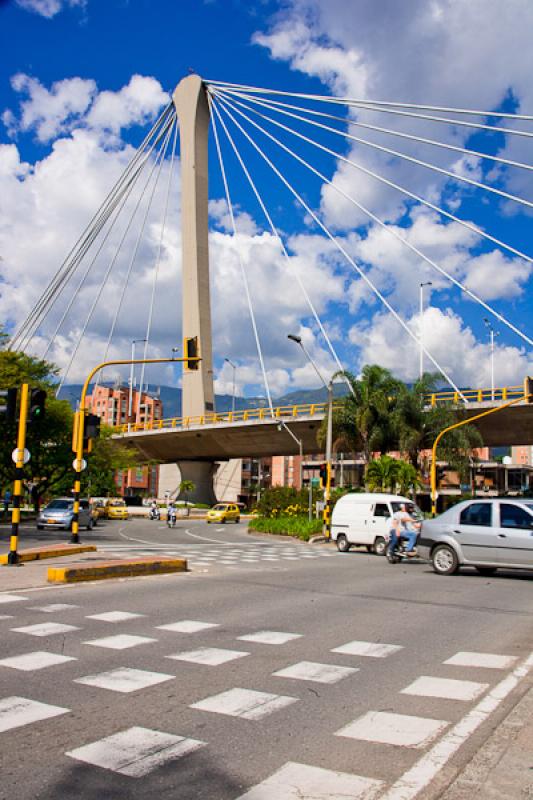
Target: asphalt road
{"type": "Point", "coordinates": [198, 711]}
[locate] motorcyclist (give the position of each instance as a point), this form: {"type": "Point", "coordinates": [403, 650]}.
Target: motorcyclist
{"type": "Point", "coordinates": [171, 514]}
{"type": "Point", "coordinates": [404, 526]}
{"type": "Point", "coordinates": [154, 510]}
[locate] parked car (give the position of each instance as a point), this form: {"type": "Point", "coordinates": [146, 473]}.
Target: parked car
{"type": "Point", "coordinates": [364, 518]}
{"type": "Point", "coordinates": [224, 512]}
{"type": "Point", "coordinates": [485, 534]}
{"type": "Point", "coordinates": [116, 509]}
{"type": "Point", "coordinates": [58, 514]}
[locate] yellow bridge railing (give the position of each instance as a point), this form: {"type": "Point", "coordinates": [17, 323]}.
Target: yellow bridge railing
{"type": "Point", "coordinates": [287, 413]}
{"type": "Point", "coordinates": [293, 412]}
{"type": "Point", "coordinates": [475, 396]}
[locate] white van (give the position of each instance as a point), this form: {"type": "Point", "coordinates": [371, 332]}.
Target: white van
{"type": "Point", "coordinates": [365, 519]}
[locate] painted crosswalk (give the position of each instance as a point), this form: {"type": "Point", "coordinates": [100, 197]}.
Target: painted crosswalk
{"type": "Point", "coordinates": [152, 655]}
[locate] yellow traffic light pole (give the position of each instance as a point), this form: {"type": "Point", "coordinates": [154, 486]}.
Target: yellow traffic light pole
{"type": "Point", "coordinates": [12, 558]}
{"type": "Point", "coordinates": [525, 396]}
{"type": "Point", "coordinates": [80, 426]}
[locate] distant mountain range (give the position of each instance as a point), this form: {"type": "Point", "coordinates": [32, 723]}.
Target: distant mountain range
{"type": "Point", "coordinates": [171, 398]}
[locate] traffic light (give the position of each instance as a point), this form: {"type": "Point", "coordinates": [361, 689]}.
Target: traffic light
{"type": "Point", "coordinates": [528, 389]}
{"type": "Point", "coordinates": [190, 350]}
{"type": "Point", "coordinates": [9, 405]}
{"type": "Point", "coordinates": [91, 430]}
{"type": "Point", "coordinates": [323, 472]}
{"type": "Point", "coordinates": [37, 405]}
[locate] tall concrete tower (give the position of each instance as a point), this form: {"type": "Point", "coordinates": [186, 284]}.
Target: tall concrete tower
{"type": "Point", "coordinates": [190, 101]}
{"type": "Point", "coordinates": [192, 108]}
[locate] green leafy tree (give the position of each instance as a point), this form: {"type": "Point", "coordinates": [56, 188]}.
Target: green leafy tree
{"type": "Point", "coordinates": [186, 487]}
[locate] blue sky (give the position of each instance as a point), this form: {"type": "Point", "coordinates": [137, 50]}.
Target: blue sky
{"type": "Point", "coordinates": [69, 63]}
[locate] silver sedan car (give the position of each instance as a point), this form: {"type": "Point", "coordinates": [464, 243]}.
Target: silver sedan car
{"type": "Point", "coordinates": [60, 512]}
{"type": "Point", "coordinates": [485, 534]}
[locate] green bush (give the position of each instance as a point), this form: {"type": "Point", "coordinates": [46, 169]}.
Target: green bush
{"type": "Point", "coordinates": [300, 527]}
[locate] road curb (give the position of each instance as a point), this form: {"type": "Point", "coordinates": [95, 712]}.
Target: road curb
{"type": "Point", "coordinates": [75, 573]}
{"type": "Point", "coordinates": [51, 551]}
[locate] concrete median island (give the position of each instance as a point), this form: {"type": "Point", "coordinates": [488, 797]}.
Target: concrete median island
{"type": "Point", "coordinates": [50, 551]}
{"type": "Point", "coordinates": [103, 570]}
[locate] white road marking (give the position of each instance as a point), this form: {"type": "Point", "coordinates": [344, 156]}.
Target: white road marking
{"type": "Point", "coordinates": [447, 688]}
{"type": "Point", "coordinates": [484, 660]}
{"type": "Point", "coordinates": [372, 649]}
{"type": "Point", "coordinates": [187, 626]}
{"type": "Point", "coordinates": [11, 598]}
{"type": "Point", "coordinates": [311, 671]}
{"type": "Point", "coordinates": [270, 637]}
{"type": "Point", "coordinates": [135, 752]}
{"type": "Point", "coordinates": [115, 616]}
{"type": "Point", "coordinates": [37, 660]}
{"type": "Point", "coordinates": [6, 616]}
{"type": "Point", "coordinates": [210, 656]}
{"type": "Point", "coordinates": [424, 771]}
{"type": "Point", "coordinates": [244, 703]}
{"type": "Point", "coordinates": [53, 607]}
{"type": "Point", "coordinates": [124, 679]}
{"type": "Point", "coordinates": [120, 642]}
{"type": "Point", "coordinates": [46, 629]}
{"type": "Point", "coordinates": [18, 711]}
{"type": "Point", "coordinates": [296, 781]}
{"type": "Point", "coordinates": [397, 729]}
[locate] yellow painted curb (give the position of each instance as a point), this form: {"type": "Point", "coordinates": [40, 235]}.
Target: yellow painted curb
{"type": "Point", "coordinates": [115, 569]}
{"type": "Point", "coordinates": [52, 551]}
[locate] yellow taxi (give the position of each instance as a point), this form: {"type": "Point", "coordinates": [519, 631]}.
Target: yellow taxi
{"type": "Point", "coordinates": [224, 512]}
{"type": "Point", "coordinates": [116, 509]}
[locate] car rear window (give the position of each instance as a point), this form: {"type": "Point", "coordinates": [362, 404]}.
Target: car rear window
{"type": "Point", "coordinates": [512, 516]}
{"type": "Point", "coordinates": [60, 505]}
{"type": "Point", "coordinates": [477, 514]}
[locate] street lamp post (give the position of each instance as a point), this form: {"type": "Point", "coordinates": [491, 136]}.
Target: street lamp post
{"type": "Point", "coordinates": [130, 398]}
{"type": "Point", "coordinates": [425, 283]}
{"type": "Point", "coordinates": [326, 528]}
{"type": "Point", "coordinates": [232, 365]}
{"type": "Point", "coordinates": [492, 335]}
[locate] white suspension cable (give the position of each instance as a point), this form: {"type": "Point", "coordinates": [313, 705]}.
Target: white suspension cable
{"type": "Point", "coordinates": [478, 231]}
{"type": "Point", "coordinates": [347, 256]}
{"type": "Point", "coordinates": [102, 285]}
{"type": "Point", "coordinates": [274, 105]}
{"type": "Point", "coordinates": [282, 245]}
{"type": "Point", "coordinates": [157, 163]}
{"type": "Point", "coordinates": [95, 224]}
{"type": "Point", "coordinates": [455, 176]}
{"type": "Point", "coordinates": [394, 233]}
{"type": "Point", "coordinates": [243, 271]}
{"type": "Point", "coordinates": [368, 107]}
{"type": "Point", "coordinates": [157, 264]}
{"type": "Point", "coordinates": [347, 100]}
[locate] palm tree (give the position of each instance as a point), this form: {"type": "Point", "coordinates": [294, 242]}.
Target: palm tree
{"type": "Point", "coordinates": [186, 487]}
{"type": "Point", "coordinates": [416, 426]}
{"type": "Point", "coordinates": [382, 474]}
{"type": "Point", "coordinates": [362, 420]}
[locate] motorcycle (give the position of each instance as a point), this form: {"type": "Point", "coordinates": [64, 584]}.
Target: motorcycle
{"type": "Point", "coordinates": [154, 513]}
{"type": "Point", "coordinates": [171, 518]}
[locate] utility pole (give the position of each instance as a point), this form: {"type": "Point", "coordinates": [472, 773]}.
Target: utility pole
{"type": "Point", "coordinates": [20, 457]}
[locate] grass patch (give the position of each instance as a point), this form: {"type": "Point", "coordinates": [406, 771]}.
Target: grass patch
{"type": "Point", "coordinates": [299, 527]}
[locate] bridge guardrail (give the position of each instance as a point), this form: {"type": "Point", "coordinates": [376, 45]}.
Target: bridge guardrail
{"type": "Point", "coordinates": [314, 409]}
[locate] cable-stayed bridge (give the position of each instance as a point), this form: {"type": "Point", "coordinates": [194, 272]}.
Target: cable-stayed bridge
{"type": "Point", "coordinates": [287, 134]}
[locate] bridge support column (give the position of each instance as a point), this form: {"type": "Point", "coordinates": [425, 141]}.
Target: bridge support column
{"type": "Point", "coordinates": [202, 474]}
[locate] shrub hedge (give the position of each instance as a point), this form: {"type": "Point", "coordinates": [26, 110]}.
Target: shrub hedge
{"type": "Point", "coordinates": [300, 527]}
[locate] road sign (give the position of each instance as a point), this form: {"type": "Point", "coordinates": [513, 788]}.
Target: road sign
{"type": "Point", "coordinates": [79, 464]}
{"type": "Point", "coordinates": [22, 454]}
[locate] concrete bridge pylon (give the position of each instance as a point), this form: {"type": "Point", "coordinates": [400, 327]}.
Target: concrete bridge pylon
{"type": "Point", "coordinates": [192, 108]}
